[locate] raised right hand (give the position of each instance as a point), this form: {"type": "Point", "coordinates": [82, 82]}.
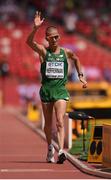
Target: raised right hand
{"type": "Point", "coordinates": [38, 21]}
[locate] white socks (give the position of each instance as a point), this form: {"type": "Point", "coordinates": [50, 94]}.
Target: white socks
{"type": "Point", "coordinates": [60, 151]}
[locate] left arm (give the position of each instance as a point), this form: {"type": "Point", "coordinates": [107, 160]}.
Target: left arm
{"type": "Point", "coordinates": [72, 56]}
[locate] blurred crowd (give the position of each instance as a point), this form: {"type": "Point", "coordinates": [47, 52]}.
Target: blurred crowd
{"type": "Point", "coordinates": [66, 12]}
{"type": "Point", "coordinates": [90, 18]}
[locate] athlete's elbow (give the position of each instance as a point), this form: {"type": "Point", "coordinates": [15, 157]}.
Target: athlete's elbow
{"type": "Point", "coordinates": [29, 43]}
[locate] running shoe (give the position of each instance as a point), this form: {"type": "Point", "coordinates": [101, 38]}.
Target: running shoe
{"type": "Point", "coordinates": [61, 158]}
{"type": "Point", "coordinates": [50, 155]}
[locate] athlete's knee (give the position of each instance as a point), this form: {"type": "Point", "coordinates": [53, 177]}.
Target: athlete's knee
{"type": "Point", "coordinates": [60, 125]}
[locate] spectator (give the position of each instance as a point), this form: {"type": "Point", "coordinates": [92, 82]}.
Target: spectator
{"type": "Point", "coordinates": [70, 18]}
{"type": "Point", "coordinates": [93, 73]}
{"type": "Point", "coordinates": [107, 72]}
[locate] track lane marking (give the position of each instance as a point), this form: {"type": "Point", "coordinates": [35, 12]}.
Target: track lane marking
{"type": "Point", "coordinates": [35, 170]}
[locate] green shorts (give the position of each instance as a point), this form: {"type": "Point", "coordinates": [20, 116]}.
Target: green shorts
{"type": "Point", "coordinates": [53, 94]}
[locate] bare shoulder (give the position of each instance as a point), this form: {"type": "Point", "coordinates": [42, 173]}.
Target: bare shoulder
{"type": "Point", "coordinates": [44, 49]}
{"type": "Point", "coordinates": [40, 49]}
{"type": "Point", "coordinates": [68, 52]}
{"type": "Point", "coordinates": [43, 54]}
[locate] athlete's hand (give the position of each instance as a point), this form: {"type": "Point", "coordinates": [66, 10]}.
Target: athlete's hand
{"type": "Point", "coordinates": [83, 81]}
{"type": "Point", "coordinates": [38, 21]}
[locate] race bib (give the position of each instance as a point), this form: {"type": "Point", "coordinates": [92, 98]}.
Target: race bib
{"type": "Point", "coordinates": [55, 70]}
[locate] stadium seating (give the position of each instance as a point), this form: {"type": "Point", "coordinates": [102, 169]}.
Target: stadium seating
{"type": "Point", "coordinates": [25, 63]}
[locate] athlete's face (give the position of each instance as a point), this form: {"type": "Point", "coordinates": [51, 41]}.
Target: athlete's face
{"type": "Point", "coordinates": [53, 37]}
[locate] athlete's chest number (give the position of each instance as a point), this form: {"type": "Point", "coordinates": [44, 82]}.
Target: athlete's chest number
{"type": "Point", "coordinates": [55, 69]}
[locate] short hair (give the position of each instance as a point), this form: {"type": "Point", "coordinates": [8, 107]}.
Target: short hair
{"type": "Point", "coordinates": [49, 29]}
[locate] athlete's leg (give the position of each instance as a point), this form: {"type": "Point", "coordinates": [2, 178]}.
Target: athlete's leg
{"type": "Point", "coordinates": [60, 109]}
{"type": "Point", "coordinates": [48, 112]}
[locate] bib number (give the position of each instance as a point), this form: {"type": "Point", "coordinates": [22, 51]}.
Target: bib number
{"type": "Point", "coordinates": [55, 70]}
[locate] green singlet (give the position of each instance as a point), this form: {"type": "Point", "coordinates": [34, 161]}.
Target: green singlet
{"type": "Point", "coordinates": [54, 77]}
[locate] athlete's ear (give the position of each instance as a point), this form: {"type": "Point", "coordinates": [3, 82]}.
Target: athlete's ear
{"type": "Point", "coordinates": [59, 37]}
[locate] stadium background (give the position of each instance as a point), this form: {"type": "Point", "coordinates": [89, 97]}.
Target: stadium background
{"type": "Point", "coordinates": [84, 27]}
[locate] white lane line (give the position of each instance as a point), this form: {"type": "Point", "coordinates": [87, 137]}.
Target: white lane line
{"type": "Point", "coordinates": [22, 155]}
{"type": "Point", "coordinates": [35, 170]}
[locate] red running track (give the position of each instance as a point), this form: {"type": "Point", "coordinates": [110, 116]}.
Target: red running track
{"type": "Point", "coordinates": [23, 154]}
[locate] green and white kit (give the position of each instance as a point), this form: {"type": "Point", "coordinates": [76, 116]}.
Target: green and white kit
{"type": "Point", "coordinates": [54, 77]}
